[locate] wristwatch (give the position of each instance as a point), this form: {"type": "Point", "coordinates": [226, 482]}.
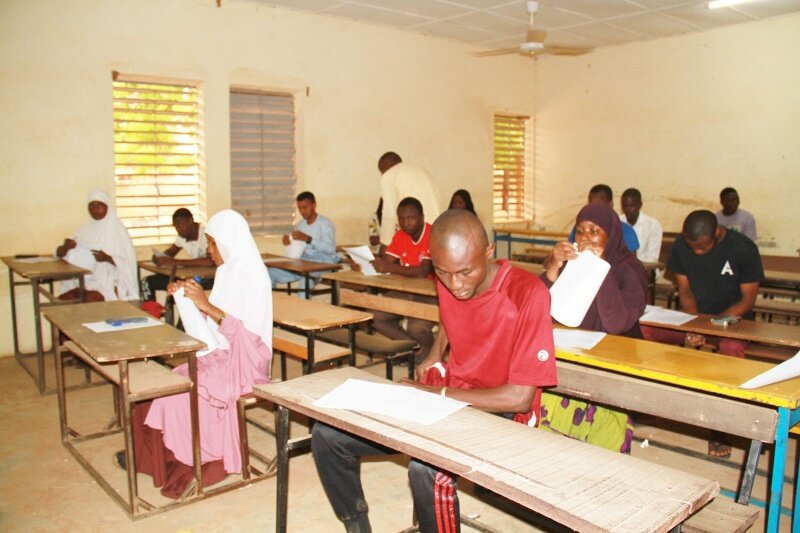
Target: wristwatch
{"type": "Point", "coordinates": [308, 241]}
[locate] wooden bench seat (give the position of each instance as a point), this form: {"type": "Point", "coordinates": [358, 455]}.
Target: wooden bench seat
{"type": "Point", "coordinates": [721, 515]}
{"type": "Point", "coordinates": [292, 344]}
{"type": "Point", "coordinates": [769, 308]}
{"type": "Point", "coordinates": [147, 379]}
{"type": "Point", "coordinates": [377, 344]}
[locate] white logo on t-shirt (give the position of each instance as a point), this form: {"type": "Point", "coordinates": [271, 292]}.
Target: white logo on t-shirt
{"type": "Point", "coordinates": [543, 355]}
{"type": "Point", "coordinates": [727, 269]}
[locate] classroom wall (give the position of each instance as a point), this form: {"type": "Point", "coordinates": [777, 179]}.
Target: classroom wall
{"type": "Point", "coordinates": [679, 118]}
{"type": "Point", "coordinates": [360, 90]}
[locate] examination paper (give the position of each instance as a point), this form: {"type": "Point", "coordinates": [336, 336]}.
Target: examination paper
{"type": "Point", "coordinates": [787, 370]}
{"type": "Point", "coordinates": [195, 323]}
{"type": "Point", "coordinates": [105, 327]}
{"type": "Point", "coordinates": [157, 252]}
{"type": "Point", "coordinates": [295, 249]}
{"type": "Point", "coordinates": [576, 338]}
{"type": "Point", "coordinates": [397, 401]}
{"type": "Point", "coordinates": [81, 257]}
{"type": "Point", "coordinates": [575, 289]}
{"type": "Point", "coordinates": [653, 313]}
{"type": "Point", "coordinates": [362, 255]}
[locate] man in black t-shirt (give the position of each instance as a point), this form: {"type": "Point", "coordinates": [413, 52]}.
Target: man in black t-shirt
{"type": "Point", "coordinates": [718, 273]}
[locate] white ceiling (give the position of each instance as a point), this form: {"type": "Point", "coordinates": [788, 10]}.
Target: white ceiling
{"type": "Point", "coordinates": [581, 23]}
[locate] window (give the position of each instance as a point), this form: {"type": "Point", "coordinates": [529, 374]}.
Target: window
{"type": "Point", "coordinates": [262, 159]}
{"type": "Point", "coordinates": [156, 156]}
{"type": "Point", "coordinates": [509, 167]}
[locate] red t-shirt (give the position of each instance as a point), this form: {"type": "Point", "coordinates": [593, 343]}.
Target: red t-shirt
{"type": "Point", "coordinates": [409, 252]}
{"type": "Point", "coordinates": [505, 335]}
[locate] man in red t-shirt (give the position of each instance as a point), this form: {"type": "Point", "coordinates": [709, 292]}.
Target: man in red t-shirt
{"type": "Point", "coordinates": [408, 255]}
{"type": "Point", "coordinates": [496, 319]}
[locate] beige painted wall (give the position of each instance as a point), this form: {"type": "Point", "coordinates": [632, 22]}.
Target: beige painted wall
{"type": "Point", "coordinates": [679, 118]}
{"type": "Point", "coordinates": [370, 89]}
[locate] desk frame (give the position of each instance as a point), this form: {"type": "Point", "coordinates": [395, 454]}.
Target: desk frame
{"type": "Point", "coordinates": [507, 236]}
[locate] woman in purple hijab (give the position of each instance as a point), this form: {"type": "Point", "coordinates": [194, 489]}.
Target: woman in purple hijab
{"type": "Point", "coordinates": [621, 299]}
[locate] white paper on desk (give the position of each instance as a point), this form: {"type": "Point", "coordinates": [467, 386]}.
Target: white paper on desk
{"type": "Point", "coordinates": [575, 289]}
{"type": "Point", "coordinates": [363, 257]}
{"type": "Point", "coordinates": [81, 257]}
{"type": "Point", "coordinates": [295, 249]}
{"type": "Point", "coordinates": [197, 325]}
{"type": "Point", "coordinates": [653, 313]}
{"type": "Point", "coordinates": [787, 370]}
{"type": "Point", "coordinates": [38, 259]}
{"type": "Point", "coordinates": [105, 327]}
{"type": "Point", "coordinates": [397, 401]}
{"type": "Point", "coordinates": [576, 338]}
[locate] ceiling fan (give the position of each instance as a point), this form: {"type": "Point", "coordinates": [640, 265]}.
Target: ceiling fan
{"type": "Point", "coordinates": [534, 41]}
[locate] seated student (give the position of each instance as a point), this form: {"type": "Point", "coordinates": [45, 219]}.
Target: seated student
{"type": "Point", "coordinates": [616, 309]}
{"type": "Point", "coordinates": [407, 255]}
{"type": "Point", "coordinates": [496, 365]}
{"type": "Point", "coordinates": [191, 238]}
{"type": "Point", "coordinates": [114, 274]}
{"type": "Point", "coordinates": [602, 194]}
{"type": "Point", "coordinates": [461, 199]}
{"type": "Point", "coordinates": [239, 311]}
{"type": "Point", "coordinates": [734, 218]}
{"type": "Point", "coordinates": [317, 232]}
{"type": "Point", "coordinates": [648, 229]}
{"type": "Point", "coordinates": [718, 273]}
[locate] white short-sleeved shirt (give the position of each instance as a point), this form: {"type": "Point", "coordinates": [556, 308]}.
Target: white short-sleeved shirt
{"type": "Point", "coordinates": [197, 248]}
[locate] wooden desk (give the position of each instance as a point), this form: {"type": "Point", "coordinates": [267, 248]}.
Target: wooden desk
{"type": "Point", "coordinates": [122, 348]}
{"type": "Point", "coordinates": [711, 374]}
{"type": "Point", "coordinates": [174, 272]}
{"type": "Point", "coordinates": [507, 234]}
{"type": "Point", "coordinates": [309, 317]}
{"type": "Point", "coordinates": [744, 330]}
{"type": "Point", "coordinates": [556, 477]}
{"type": "Point", "coordinates": [34, 274]}
{"type": "Point", "coordinates": [299, 266]}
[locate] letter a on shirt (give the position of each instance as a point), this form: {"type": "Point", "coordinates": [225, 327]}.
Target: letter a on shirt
{"type": "Point", "coordinates": [727, 269]}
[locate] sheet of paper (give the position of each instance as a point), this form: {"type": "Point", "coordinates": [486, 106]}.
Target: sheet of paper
{"type": "Point", "coordinates": [575, 289]}
{"type": "Point", "coordinates": [105, 327]}
{"type": "Point", "coordinates": [787, 370]}
{"type": "Point", "coordinates": [362, 256]}
{"type": "Point", "coordinates": [576, 338]}
{"type": "Point", "coordinates": [157, 252]}
{"type": "Point", "coordinates": [295, 249]}
{"type": "Point", "coordinates": [81, 256]}
{"type": "Point", "coordinates": [653, 313]}
{"type": "Point", "coordinates": [397, 401]}
{"type": "Point", "coordinates": [195, 323]}
{"type": "Point", "coordinates": [39, 259]}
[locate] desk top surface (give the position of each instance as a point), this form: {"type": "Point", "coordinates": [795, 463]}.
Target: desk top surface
{"type": "Point", "coordinates": [299, 266]}
{"type": "Point", "coordinates": [394, 282]}
{"type": "Point", "coordinates": [57, 268]}
{"type": "Point", "coordinates": [693, 369]}
{"type": "Point", "coordinates": [560, 235]}
{"type": "Point", "coordinates": [310, 315]}
{"type": "Point", "coordinates": [558, 477]}
{"type": "Point", "coordinates": [181, 272]}
{"type": "Point", "coordinates": [746, 330]}
{"type": "Point", "coordinates": [114, 346]}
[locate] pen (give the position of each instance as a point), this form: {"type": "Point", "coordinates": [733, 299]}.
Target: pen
{"type": "Point", "coordinates": [197, 278]}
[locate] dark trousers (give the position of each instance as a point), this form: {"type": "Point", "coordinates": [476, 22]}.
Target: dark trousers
{"type": "Point", "coordinates": [159, 282]}
{"type": "Point", "coordinates": [338, 458]}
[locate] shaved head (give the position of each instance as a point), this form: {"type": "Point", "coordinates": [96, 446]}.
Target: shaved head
{"type": "Point", "coordinates": [462, 254]}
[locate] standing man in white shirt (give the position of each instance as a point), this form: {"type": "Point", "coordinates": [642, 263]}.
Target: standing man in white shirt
{"type": "Point", "coordinates": [403, 180]}
{"type": "Point", "coordinates": [648, 229]}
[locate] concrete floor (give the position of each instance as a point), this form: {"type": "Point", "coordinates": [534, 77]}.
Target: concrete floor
{"type": "Point", "coordinates": [43, 487]}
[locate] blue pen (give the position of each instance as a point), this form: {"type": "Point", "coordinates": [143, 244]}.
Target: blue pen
{"type": "Point", "coordinates": [197, 278]}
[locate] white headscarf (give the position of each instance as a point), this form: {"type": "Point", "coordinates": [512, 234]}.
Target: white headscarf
{"type": "Point", "coordinates": [241, 286]}
{"type": "Point", "coordinates": [110, 236]}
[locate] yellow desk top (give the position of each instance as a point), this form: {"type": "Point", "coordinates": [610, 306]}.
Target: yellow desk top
{"type": "Point", "coordinates": [393, 282]}
{"type": "Point", "coordinates": [56, 268]}
{"type": "Point", "coordinates": [181, 272]}
{"type": "Point", "coordinates": [298, 266]}
{"type": "Point", "coordinates": [309, 315]}
{"type": "Point", "coordinates": [702, 371]}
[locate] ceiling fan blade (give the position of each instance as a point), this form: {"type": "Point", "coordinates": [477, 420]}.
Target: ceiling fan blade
{"type": "Point", "coordinates": [535, 36]}
{"type": "Point", "coordinates": [564, 51]}
{"type": "Point", "coordinates": [498, 52]}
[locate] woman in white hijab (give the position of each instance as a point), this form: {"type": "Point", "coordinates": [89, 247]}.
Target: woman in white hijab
{"type": "Point", "coordinates": [104, 245]}
{"type": "Point", "coordinates": [239, 311]}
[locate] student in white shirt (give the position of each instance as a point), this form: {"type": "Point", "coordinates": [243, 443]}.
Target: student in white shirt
{"type": "Point", "coordinates": [648, 229]}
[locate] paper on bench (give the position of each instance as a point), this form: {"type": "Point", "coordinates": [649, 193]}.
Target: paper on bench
{"type": "Point", "coordinates": [81, 257]}
{"type": "Point", "coordinates": [787, 370]}
{"type": "Point", "coordinates": [295, 248]}
{"type": "Point", "coordinates": [576, 338]}
{"type": "Point", "coordinates": [197, 324]}
{"type": "Point", "coordinates": [576, 286]}
{"type": "Point", "coordinates": [362, 256]}
{"type": "Point", "coordinates": [654, 313]}
{"type": "Point", "coordinates": [397, 401]}
{"type": "Point", "coordinates": [105, 327]}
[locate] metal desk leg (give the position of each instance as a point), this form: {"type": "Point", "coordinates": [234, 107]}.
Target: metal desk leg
{"type": "Point", "coordinates": [749, 472]}
{"type": "Point", "coordinates": [60, 387]}
{"type": "Point", "coordinates": [307, 282]}
{"type": "Point", "coordinates": [282, 457]}
{"type": "Point", "coordinates": [778, 467]}
{"type": "Point", "coordinates": [127, 406]}
{"type": "Point", "coordinates": [12, 293]}
{"type": "Point", "coordinates": [38, 333]}
{"type": "Point", "coordinates": [310, 348]}
{"type": "Point", "coordinates": [198, 466]}
{"type": "Point", "coordinates": [335, 293]}
{"type": "Point", "coordinates": [352, 337]}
